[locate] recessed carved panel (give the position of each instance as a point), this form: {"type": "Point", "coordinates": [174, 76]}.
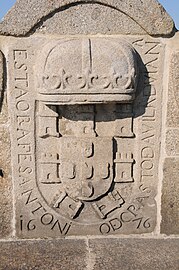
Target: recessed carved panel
{"type": "Point", "coordinates": [85, 135]}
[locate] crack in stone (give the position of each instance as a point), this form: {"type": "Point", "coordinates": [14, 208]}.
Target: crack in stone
{"type": "Point", "coordinates": [90, 258]}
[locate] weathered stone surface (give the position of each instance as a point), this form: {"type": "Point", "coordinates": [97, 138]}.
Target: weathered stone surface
{"type": "Point", "coordinates": [172, 142]}
{"type": "Point", "coordinates": [92, 71]}
{"type": "Point", "coordinates": [106, 254]}
{"type": "Point", "coordinates": [134, 254]}
{"type": "Point", "coordinates": [43, 255]}
{"type": "Point", "coordinates": [5, 160]}
{"type": "Point", "coordinates": [5, 182]}
{"type": "Point", "coordinates": [173, 96]}
{"type": "Point", "coordinates": [19, 21]}
{"type": "Point", "coordinates": [89, 19]}
{"type": "Point", "coordinates": [5, 177]}
{"type": "Point", "coordinates": [170, 197]}
{"type": "Point", "coordinates": [85, 133]}
{"type": "Point", "coordinates": [1, 76]}
{"type": "Point", "coordinates": [85, 121]}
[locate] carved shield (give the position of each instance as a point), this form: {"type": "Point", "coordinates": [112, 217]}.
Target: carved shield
{"type": "Point", "coordinates": [86, 169]}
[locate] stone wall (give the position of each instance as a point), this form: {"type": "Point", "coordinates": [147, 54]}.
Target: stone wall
{"type": "Point", "coordinates": [89, 124]}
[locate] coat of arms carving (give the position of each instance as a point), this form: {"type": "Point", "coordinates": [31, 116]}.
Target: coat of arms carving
{"type": "Point", "coordinates": [81, 161]}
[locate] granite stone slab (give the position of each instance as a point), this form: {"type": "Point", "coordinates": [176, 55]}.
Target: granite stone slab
{"type": "Point", "coordinates": [1, 75]}
{"type": "Point", "coordinates": [43, 255]}
{"type": "Point", "coordinates": [170, 197]}
{"type": "Point", "coordinates": [135, 254]}
{"type": "Point", "coordinates": [94, 254]}
{"type": "Point", "coordinates": [172, 142]}
{"type": "Point", "coordinates": [5, 185]}
{"type": "Point", "coordinates": [173, 96]}
{"type": "Point", "coordinates": [20, 22]}
{"type": "Point", "coordinates": [5, 160]}
{"type": "Point", "coordinates": [85, 127]}
{"type": "Point", "coordinates": [85, 134]}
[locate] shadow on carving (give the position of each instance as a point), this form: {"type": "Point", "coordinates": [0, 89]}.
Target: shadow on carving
{"type": "Point", "coordinates": [110, 112]}
{"type": "Point", "coordinates": [142, 96]}
{"type": "Point", "coordinates": [1, 173]}
{"type": "Point", "coordinates": [91, 127]}
{"type": "Point", "coordinates": [3, 79]}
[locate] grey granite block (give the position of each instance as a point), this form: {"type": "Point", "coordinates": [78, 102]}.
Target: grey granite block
{"type": "Point", "coordinates": [135, 254]}
{"type": "Point", "coordinates": [172, 142]}
{"type": "Point", "coordinates": [96, 254]}
{"type": "Point", "coordinates": [5, 166]}
{"type": "Point", "coordinates": [173, 95]}
{"type": "Point", "coordinates": [43, 255]}
{"type": "Point", "coordinates": [170, 197]}
{"type": "Point", "coordinates": [19, 21]}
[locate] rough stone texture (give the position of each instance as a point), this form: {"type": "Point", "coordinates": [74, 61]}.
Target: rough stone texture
{"type": "Point", "coordinates": [172, 142]}
{"type": "Point", "coordinates": [89, 19]}
{"type": "Point", "coordinates": [19, 21]}
{"type": "Point", "coordinates": [170, 192]}
{"type": "Point", "coordinates": [43, 255]}
{"type": "Point", "coordinates": [170, 197]}
{"type": "Point", "coordinates": [5, 184]}
{"type": "Point", "coordinates": [5, 166]}
{"type": "Point", "coordinates": [173, 96]}
{"type": "Point", "coordinates": [86, 130]}
{"type": "Point", "coordinates": [82, 166]}
{"type": "Point", "coordinates": [134, 254]}
{"type": "Point", "coordinates": [106, 254]}
{"type": "Point", "coordinates": [1, 75]}
{"type": "Point", "coordinates": [83, 67]}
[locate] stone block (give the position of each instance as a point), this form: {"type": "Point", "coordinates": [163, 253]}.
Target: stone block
{"type": "Point", "coordinates": [5, 162]}
{"type": "Point", "coordinates": [172, 142]}
{"type": "Point", "coordinates": [173, 95]}
{"type": "Point", "coordinates": [96, 254]}
{"type": "Point", "coordinates": [170, 197]}
{"type": "Point", "coordinates": [20, 22]}
{"type": "Point", "coordinates": [134, 254]}
{"type": "Point", "coordinates": [85, 111]}
{"type": "Point", "coordinates": [1, 75]}
{"type": "Point", "coordinates": [84, 158]}
{"type": "Point", "coordinates": [5, 184]}
{"type": "Point", "coordinates": [43, 255]}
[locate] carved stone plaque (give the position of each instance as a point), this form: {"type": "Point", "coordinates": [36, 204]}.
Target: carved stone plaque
{"type": "Point", "coordinates": [85, 134]}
